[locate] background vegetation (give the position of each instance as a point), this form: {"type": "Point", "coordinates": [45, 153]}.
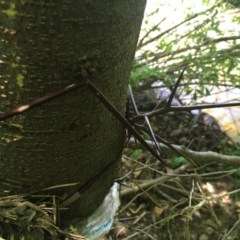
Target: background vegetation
{"type": "Point", "coordinates": [208, 41]}
{"type": "Point", "coordinates": [187, 201]}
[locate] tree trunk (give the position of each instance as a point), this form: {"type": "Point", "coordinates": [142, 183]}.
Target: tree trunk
{"type": "Point", "coordinates": [46, 46]}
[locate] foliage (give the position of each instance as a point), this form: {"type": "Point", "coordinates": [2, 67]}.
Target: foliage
{"type": "Point", "coordinates": [181, 199]}
{"type": "Point", "coordinates": [229, 150]}
{"type": "Point", "coordinates": [177, 161]}
{"type": "Point", "coordinates": [207, 41]}
{"type": "Point", "coordinates": [136, 154]}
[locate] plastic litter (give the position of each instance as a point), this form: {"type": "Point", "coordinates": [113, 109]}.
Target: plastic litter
{"type": "Point", "coordinates": [100, 222]}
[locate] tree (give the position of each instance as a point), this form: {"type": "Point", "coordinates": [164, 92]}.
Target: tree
{"type": "Point", "coordinates": [72, 140]}
{"type": "Point", "coordinates": [202, 40]}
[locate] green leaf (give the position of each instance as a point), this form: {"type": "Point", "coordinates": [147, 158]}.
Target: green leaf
{"type": "Point", "coordinates": [20, 79]}
{"type": "Point", "coordinates": [136, 154]}
{"type": "Point", "coordinates": [177, 162]}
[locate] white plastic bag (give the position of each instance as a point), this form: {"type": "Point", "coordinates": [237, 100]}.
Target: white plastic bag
{"type": "Point", "coordinates": [100, 222]}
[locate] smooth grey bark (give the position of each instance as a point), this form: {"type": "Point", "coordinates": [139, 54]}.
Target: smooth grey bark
{"type": "Point", "coordinates": [48, 45]}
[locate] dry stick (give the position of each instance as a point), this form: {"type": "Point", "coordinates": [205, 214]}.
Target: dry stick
{"type": "Point", "coordinates": [68, 200]}
{"type": "Point", "coordinates": [167, 219]}
{"type": "Point", "coordinates": [232, 232]}
{"type": "Point", "coordinates": [40, 101]}
{"type": "Point", "coordinates": [182, 191]}
{"type": "Point", "coordinates": [153, 182]}
{"type": "Point", "coordinates": [186, 109]}
{"type": "Point", "coordinates": [200, 157]}
{"type": "Point", "coordinates": [164, 178]}
{"type": "Point", "coordinates": [212, 211]}
{"type": "Point", "coordinates": [168, 145]}
{"type": "Point", "coordinates": [121, 119]}
{"type": "Point", "coordinates": [104, 101]}
{"type": "Point", "coordinates": [146, 193]}
{"type": "Point", "coordinates": [135, 108]}
{"type": "Point", "coordinates": [168, 104]}
{"type": "Point", "coordinates": [170, 99]}
{"type": "Point", "coordinates": [168, 108]}
{"type": "Point", "coordinates": [150, 131]}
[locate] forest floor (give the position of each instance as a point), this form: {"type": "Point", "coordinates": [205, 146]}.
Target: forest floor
{"type": "Point", "coordinates": [186, 203]}
{"type": "Point", "coordinates": [180, 202]}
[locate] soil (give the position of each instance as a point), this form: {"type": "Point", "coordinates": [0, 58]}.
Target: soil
{"type": "Point", "coordinates": [189, 206]}
{"type": "Point", "coordinates": [196, 203]}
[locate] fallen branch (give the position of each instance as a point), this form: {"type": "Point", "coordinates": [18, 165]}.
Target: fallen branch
{"type": "Point", "coordinates": [195, 156]}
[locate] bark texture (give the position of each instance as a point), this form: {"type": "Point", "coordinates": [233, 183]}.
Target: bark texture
{"type": "Point", "coordinates": [45, 46]}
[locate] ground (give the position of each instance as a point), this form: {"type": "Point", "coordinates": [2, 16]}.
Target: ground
{"type": "Point", "coordinates": [192, 205]}
{"type": "Point", "coordinates": [187, 202]}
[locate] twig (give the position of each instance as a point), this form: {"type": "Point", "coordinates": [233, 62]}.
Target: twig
{"type": "Point", "coordinates": [146, 194]}
{"type": "Point", "coordinates": [40, 101]}
{"type": "Point", "coordinates": [146, 120]}
{"type": "Point", "coordinates": [122, 119]}
{"type": "Point", "coordinates": [177, 25]}
{"type": "Point", "coordinates": [185, 109]}
{"type": "Point", "coordinates": [232, 232]}
{"type": "Point", "coordinates": [141, 41]}
{"type": "Point", "coordinates": [154, 182]}
{"type": "Point", "coordinates": [169, 102]}
{"type": "Point", "coordinates": [207, 200]}
{"type": "Point", "coordinates": [199, 157]}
